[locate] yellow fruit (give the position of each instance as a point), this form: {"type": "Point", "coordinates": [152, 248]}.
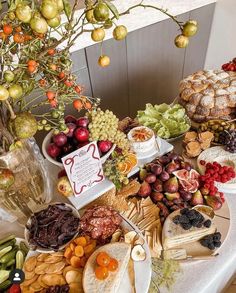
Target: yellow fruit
{"type": "Point", "coordinates": [120, 32]}
{"type": "Point", "coordinates": [104, 61]}
{"type": "Point", "coordinates": [98, 34]}
{"type": "Point", "coordinates": [15, 91]}
{"type": "Point", "coordinates": [23, 13]}
{"type": "Point", "coordinates": [39, 25]}
{"type": "Point", "coordinates": [49, 9]}
{"type": "Point", "coordinates": [101, 12]}
{"type": "Point", "coordinates": [181, 41]}
{"type": "Point", "coordinates": [189, 29]}
{"type": "Point", "coordinates": [90, 16]}
{"type": "Point", "coordinates": [54, 22]}
{"type": "Point", "coordinates": [4, 94]}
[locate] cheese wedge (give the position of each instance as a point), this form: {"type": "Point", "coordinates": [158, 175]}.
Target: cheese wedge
{"type": "Point", "coordinates": [121, 252]}
{"type": "Point", "coordinates": [174, 235]}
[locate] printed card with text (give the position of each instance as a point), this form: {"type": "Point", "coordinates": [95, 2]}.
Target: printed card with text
{"type": "Point", "coordinates": [84, 168]}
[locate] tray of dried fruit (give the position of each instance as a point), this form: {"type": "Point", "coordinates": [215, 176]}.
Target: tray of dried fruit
{"type": "Point", "coordinates": [108, 253]}
{"type": "Point", "coordinates": [169, 202]}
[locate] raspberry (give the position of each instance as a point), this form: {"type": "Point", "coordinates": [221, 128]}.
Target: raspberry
{"type": "Point", "coordinates": [203, 163]}
{"type": "Point", "coordinates": [231, 169]}
{"type": "Point", "coordinates": [224, 180]}
{"type": "Point", "coordinates": [208, 165]}
{"type": "Point", "coordinates": [221, 171]}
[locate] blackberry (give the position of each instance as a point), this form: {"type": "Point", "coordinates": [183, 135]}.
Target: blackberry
{"type": "Point", "coordinates": [207, 223]}
{"type": "Point", "coordinates": [199, 225]}
{"type": "Point", "coordinates": [191, 214]}
{"type": "Point", "coordinates": [184, 211]}
{"type": "Point", "coordinates": [217, 236]}
{"type": "Point", "coordinates": [184, 219]}
{"type": "Point", "coordinates": [195, 223]}
{"type": "Point", "coordinates": [228, 139]}
{"type": "Point", "coordinates": [211, 246]}
{"type": "Point", "coordinates": [186, 226]}
{"type": "Point", "coordinates": [217, 243]}
{"type": "Point", "coordinates": [204, 242]}
{"type": "Point", "coordinates": [176, 219]}
{"type": "Point", "coordinates": [201, 218]}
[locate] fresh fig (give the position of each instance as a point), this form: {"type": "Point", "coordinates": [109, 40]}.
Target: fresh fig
{"type": "Point", "coordinates": [164, 176]}
{"type": "Point", "coordinates": [214, 202]}
{"type": "Point", "coordinates": [173, 156]}
{"type": "Point", "coordinates": [150, 178]}
{"type": "Point", "coordinates": [164, 160]}
{"type": "Point", "coordinates": [197, 198]}
{"type": "Point", "coordinates": [6, 178]}
{"type": "Point", "coordinates": [172, 196]}
{"type": "Point", "coordinates": [156, 196]}
{"type": "Point", "coordinates": [186, 165]}
{"type": "Point", "coordinates": [171, 185]}
{"type": "Point", "coordinates": [145, 189]}
{"type": "Point", "coordinates": [64, 187]}
{"type": "Point", "coordinates": [156, 169]}
{"type": "Point", "coordinates": [142, 174]}
{"type": "Point", "coordinates": [186, 196]}
{"type": "Point", "coordinates": [172, 166]}
{"type": "Point", "coordinates": [157, 186]}
{"type": "Point", "coordinates": [204, 191]}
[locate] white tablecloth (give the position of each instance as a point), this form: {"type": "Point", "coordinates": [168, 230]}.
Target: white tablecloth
{"type": "Point", "coordinates": [209, 276]}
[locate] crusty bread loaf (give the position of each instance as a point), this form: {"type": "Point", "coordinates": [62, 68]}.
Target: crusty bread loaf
{"type": "Point", "coordinates": [121, 252]}
{"type": "Point", "coordinates": [209, 94]}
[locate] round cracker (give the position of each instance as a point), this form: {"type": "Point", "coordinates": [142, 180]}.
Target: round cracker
{"type": "Point", "coordinates": [30, 264]}
{"type": "Point", "coordinates": [29, 275]}
{"type": "Point", "coordinates": [36, 286]}
{"type": "Point", "coordinates": [42, 256]}
{"type": "Point", "coordinates": [53, 259]}
{"type": "Point", "coordinates": [26, 283]}
{"type": "Point", "coordinates": [55, 267]}
{"type": "Point", "coordinates": [53, 280]}
{"type": "Point", "coordinates": [41, 282]}
{"type": "Point", "coordinates": [41, 269]}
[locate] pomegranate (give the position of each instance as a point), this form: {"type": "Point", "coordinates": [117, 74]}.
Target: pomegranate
{"type": "Point", "coordinates": [70, 119]}
{"type": "Point", "coordinates": [53, 150]}
{"type": "Point", "coordinates": [82, 122]}
{"type": "Point", "coordinates": [81, 134]}
{"type": "Point", "coordinates": [71, 129]}
{"type": "Point", "coordinates": [104, 146]}
{"type": "Point", "coordinates": [60, 139]}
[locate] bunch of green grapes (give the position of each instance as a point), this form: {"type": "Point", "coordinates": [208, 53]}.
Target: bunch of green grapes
{"type": "Point", "coordinates": [104, 126]}
{"type": "Point", "coordinates": [112, 172]}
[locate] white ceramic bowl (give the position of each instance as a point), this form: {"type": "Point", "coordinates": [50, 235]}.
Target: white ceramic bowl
{"type": "Point", "coordinates": [47, 141]}
{"type": "Point", "coordinates": [44, 250]}
{"type": "Point", "coordinates": [142, 146]}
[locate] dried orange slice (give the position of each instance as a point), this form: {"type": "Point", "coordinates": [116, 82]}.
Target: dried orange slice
{"type": "Point", "coordinates": [132, 159]}
{"type": "Point", "coordinates": [122, 167]}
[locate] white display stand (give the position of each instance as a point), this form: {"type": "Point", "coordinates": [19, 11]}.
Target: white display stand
{"type": "Point", "coordinates": [106, 185]}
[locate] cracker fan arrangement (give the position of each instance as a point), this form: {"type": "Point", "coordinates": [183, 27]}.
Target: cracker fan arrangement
{"type": "Point", "coordinates": [162, 203]}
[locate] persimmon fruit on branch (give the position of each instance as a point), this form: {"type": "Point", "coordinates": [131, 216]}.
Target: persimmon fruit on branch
{"type": "Point", "coordinates": [35, 42]}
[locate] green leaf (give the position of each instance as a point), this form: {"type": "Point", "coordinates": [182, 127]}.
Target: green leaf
{"type": "Point", "coordinates": [67, 8]}
{"type": "Point", "coordinates": [113, 9]}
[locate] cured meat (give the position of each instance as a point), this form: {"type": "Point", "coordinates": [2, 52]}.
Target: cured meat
{"type": "Point", "coordinates": [100, 222]}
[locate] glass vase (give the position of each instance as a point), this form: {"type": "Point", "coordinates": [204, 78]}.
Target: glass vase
{"type": "Point", "coordinates": [31, 187]}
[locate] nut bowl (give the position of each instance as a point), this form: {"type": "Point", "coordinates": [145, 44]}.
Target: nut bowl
{"type": "Point", "coordinates": [39, 249]}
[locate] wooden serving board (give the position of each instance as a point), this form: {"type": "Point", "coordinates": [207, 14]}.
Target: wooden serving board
{"type": "Point", "coordinates": [222, 222]}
